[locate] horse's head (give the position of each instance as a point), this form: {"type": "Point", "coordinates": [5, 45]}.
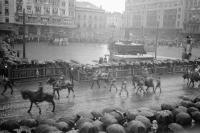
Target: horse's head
{"type": "Point", "coordinates": [25, 94]}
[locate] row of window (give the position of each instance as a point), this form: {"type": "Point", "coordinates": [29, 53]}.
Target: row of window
{"type": "Point", "coordinates": [192, 3]}
{"type": "Point", "coordinates": [89, 17]}
{"type": "Point", "coordinates": [85, 25]}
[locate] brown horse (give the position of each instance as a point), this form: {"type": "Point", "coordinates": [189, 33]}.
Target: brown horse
{"type": "Point", "coordinates": [36, 97]}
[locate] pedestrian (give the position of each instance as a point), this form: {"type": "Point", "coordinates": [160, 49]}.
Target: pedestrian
{"type": "Point", "coordinates": [158, 84]}
{"type": "Point", "coordinates": [124, 87]}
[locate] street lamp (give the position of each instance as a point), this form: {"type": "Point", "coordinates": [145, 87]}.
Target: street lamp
{"type": "Point", "coordinates": [24, 39]}
{"type": "Point", "coordinates": [156, 47]}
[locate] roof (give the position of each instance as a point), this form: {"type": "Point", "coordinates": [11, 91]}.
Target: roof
{"type": "Point", "coordinates": [86, 5]}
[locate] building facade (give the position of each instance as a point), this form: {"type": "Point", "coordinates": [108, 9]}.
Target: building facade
{"type": "Point", "coordinates": [90, 21]}
{"type": "Point", "coordinates": [144, 17]}
{"type": "Point", "coordinates": [43, 18]}
{"type": "Point", "coordinates": [7, 15]}
{"type": "Point", "coordinates": [191, 24]}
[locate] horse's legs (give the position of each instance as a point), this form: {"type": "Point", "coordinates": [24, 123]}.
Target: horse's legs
{"type": "Point", "coordinates": [53, 103]}
{"type": "Point", "coordinates": [115, 87]}
{"type": "Point", "coordinates": [92, 84]}
{"type": "Point", "coordinates": [68, 92]}
{"type": "Point", "coordinates": [98, 83]}
{"type": "Point", "coordinates": [58, 94]}
{"type": "Point", "coordinates": [72, 89]}
{"type": "Point", "coordinates": [30, 107]}
{"type": "Point", "coordinates": [38, 107]}
{"type": "Point", "coordinates": [111, 87]}
{"type": "Point", "coordinates": [5, 89]}
{"type": "Point", "coordinates": [11, 88]}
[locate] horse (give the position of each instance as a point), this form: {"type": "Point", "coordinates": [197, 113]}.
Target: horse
{"type": "Point", "coordinates": [98, 77]}
{"type": "Point", "coordinates": [145, 81]}
{"type": "Point", "coordinates": [194, 77]}
{"type": "Point", "coordinates": [186, 76]}
{"type": "Point", "coordinates": [35, 98]}
{"type": "Point", "coordinates": [6, 82]}
{"type": "Point", "coordinates": [59, 84]}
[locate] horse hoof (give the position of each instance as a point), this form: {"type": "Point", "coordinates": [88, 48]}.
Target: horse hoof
{"type": "Point", "coordinates": [29, 112]}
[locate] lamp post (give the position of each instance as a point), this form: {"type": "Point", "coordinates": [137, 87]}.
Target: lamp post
{"type": "Point", "coordinates": [156, 47]}
{"type": "Point", "coordinates": [24, 39]}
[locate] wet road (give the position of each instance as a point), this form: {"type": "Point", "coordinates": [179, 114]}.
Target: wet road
{"type": "Point", "coordinates": [93, 99]}
{"type": "Point", "coordinates": [86, 53]}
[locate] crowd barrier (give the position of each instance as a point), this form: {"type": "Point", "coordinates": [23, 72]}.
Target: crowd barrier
{"type": "Point", "coordinates": [78, 75]}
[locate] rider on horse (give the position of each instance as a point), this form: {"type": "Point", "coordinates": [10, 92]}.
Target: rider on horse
{"type": "Point", "coordinates": [40, 90]}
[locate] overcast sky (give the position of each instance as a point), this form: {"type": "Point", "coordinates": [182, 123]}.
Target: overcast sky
{"type": "Point", "coordinates": [109, 5]}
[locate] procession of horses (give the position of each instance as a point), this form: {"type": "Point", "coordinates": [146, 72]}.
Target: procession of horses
{"type": "Point", "coordinates": [141, 84]}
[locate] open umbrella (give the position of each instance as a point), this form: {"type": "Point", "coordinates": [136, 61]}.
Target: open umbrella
{"type": "Point", "coordinates": [183, 119]}
{"type": "Point", "coordinates": [196, 116]}
{"type": "Point", "coordinates": [96, 114]}
{"type": "Point", "coordinates": [81, 121]}
{"type": "Point", "coordinates": [164, 117]}
{"type": "Point", "coordinates": [115, 128]}
{"type": "Point", "coordinates": [136, 127]}
{"type": "Point", "coordinates": [9, 125]}
{"type": "Point", "coordinates": [62, 126]}
{"type": "Point", "coordinates": [108, 119]}
{"type": "Point", "coordinates": [144, 120]}
{"type": "Point", "coordinates": [176, 128]}
{"type": "Point", "coordinates": [46, 129]}
{"type": "Point", "coordinates": [88, 127]}
{"type": "Point", "coordinates": [167, 107]}
{"type": "Point", "coordinates": [98, 124]}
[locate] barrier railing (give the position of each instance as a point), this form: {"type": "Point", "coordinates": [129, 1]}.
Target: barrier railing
{"type": "Point", "coordinates": [78, 75]}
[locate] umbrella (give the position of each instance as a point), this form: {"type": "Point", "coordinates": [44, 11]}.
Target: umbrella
{"type": "Point", "coordinates": [85, 115]}
{"type": "Point", "coordinates": [98, 124]}
{"type": "Point", "coordinates": [196, 116]}
{"type": "Point", "coordinates": [28, 123]}
{"type": "Point", "coordinates": [187, 104]}
{"type": "Point", "coordinates": [96, 114]}
{"type": "Point", "coordinates": [115, 128]}
{"type": "Point", "coordinates": [175, 127]}
{"type": "Point", "coordinates": [179, 109]}
{"type": "Point", "coordinates": [9, 125]}
{"type": "Point", "coordinates": [167, 107]}
{"type": "Point", "coordinates": [136, 127]}
{"type": "Point", "coordinates": [88, 127]}
{"type": "Point", "coordinates": [62, 126]}
{"type": "Point", "coordinates": [46, 129]}
{"type": "Point", "coordinates": [146, 112]}
{"type": "Point", "coordinates": [144, 120]}
{"type": "Point", "coordinates": [108, 119]}
{"type": "Point", "coordinates": [108, 110]}
{"type": "Point", "coordinates": [190, 110]}
{"type": "Point", "coordinates": [197, 105]}
{"type": "Point", "coordinates": [81, 121]}
{"type": "Point", "coordinates": [183, 119]}
{"type": "Point", "coordinates": [164, 117]}
{"type": "Point", "coordinates": [49, 122]}
{"type": "Point", "coordinates": [71, 120]}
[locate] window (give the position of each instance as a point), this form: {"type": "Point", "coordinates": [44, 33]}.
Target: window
{"type": "Point", "coordinates": [7, 20]}
{"type": "Point", "coordinates": [6, 12]}
{"type": "Point", "coordinates": [84, 16]}
{"type": "Point", "coordinates": [38, 9]}
{"type": "Point", "coordinates": [179, 16]}
{"type": "Point", "coordinates": [63, 3]}
{"type": "Point", "coordinates": [28, 8]}
{"type": "Point", "coordinates": [63, 11]}
{"type": "Point", "coordinates": [6, 1]}
{"type": "Point", "coordinates": [55, 11]}
{"type": "Point", "coordinates": [46, 10]}
{"type": "Point", "coordinates": [79, 16]}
